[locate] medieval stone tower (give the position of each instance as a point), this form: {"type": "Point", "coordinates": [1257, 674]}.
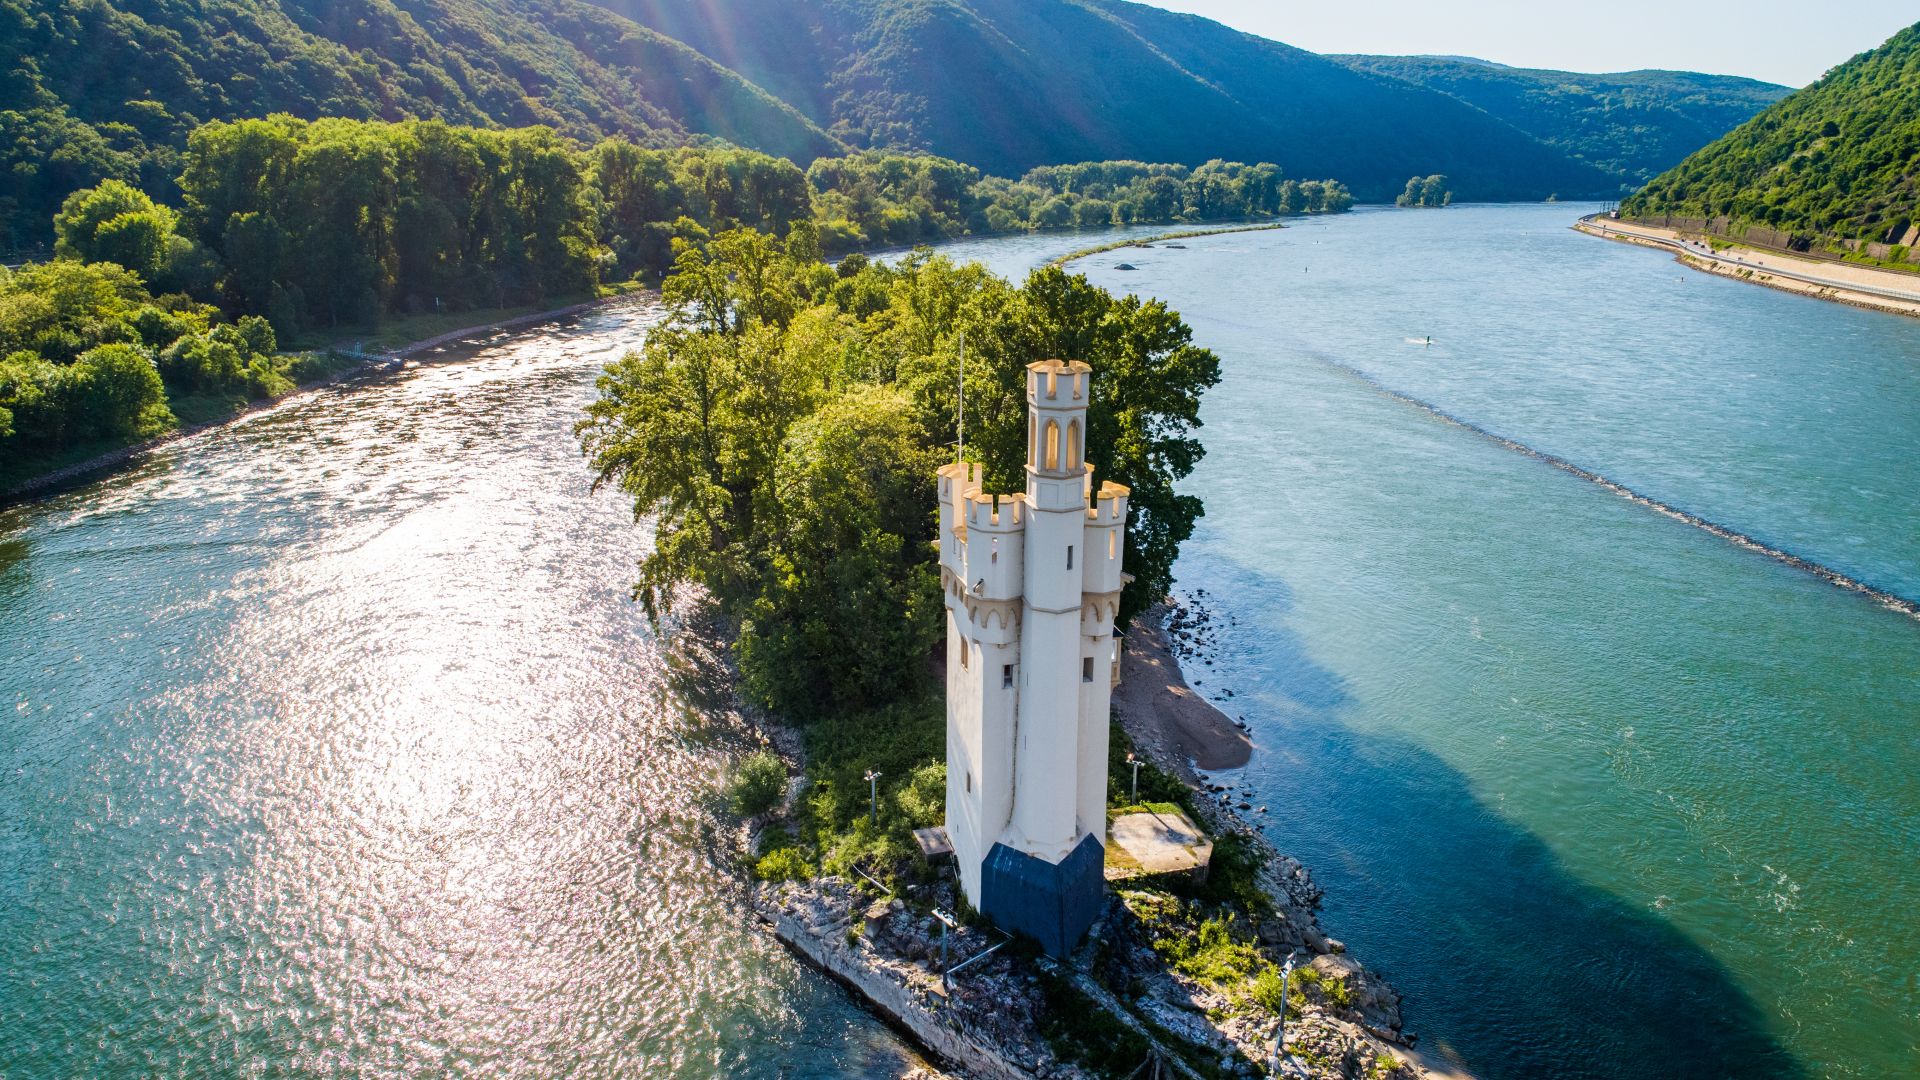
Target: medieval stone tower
{"type": "Point", "coordinates": [1032, 584]}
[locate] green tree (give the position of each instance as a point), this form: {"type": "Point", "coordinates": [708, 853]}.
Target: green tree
{"type": "Point", "coordinates": [116, 223]}
{"type": "Point", "coordinates": [113, 390]}
{"type": "Point", "coordinates": [849, 601]}
{"type": "Point", "coordinates": [782, 425]}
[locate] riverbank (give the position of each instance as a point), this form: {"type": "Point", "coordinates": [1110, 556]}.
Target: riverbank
{"type": "Point", "coordinates": [1173, 725]}
{"type": "Point", "coordinates": [1176, 973]}
{"type": "Point", "coordinates": [1846, 283]}
{"type": "Point", "coordinates": [354, 364]}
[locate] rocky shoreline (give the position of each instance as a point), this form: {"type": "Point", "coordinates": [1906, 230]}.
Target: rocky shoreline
{"type": "Point", "coordinates": [1118, 1004]}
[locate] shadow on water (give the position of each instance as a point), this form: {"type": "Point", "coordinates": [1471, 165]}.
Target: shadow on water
{"type": "Point", "coordinates": [13, 557]}
{"type": "Point", "coordinates": [1511, 966]}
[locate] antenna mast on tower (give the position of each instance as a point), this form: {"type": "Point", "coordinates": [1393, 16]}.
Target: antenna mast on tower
{"type": "Point", "coordinates": [960, 422]}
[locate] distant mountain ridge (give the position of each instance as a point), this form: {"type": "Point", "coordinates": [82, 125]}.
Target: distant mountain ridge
{"type": "Point", "coordinates": [1631, 123]}
{"type": "Point", "coordinates": [1010, 84]}
{"type": "Point", "coordinates": [91, 89]}
{"type": "Point", "coordinates": [1834, 166]}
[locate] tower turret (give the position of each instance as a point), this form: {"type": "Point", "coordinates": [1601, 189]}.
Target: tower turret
{"type": "Point", "coordinates": [1032, 584]}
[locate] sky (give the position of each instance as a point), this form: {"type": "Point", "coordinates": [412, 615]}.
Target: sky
{"type": "Point", "coordinates": [1784, 41]}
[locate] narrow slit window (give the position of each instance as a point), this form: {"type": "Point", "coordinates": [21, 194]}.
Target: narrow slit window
{"type": "Point", "coordinates": [1086, 669]}
{"type": "Point", "coordinates": [1113, 544]}
{"type": "Point", "coordinates": [969, 783]}
{"type": "Point", "coordinates": [1006, 676]}
{"type": "Point", "coordinates": [964, 650]}
{"type": "Point", "coordinates": [1053, 445]}
{"type": "Point", "coordinates": [1069, 556]}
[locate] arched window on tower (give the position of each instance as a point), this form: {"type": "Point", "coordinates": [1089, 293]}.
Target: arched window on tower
{"type": "Point", "coordinates": [1073, 445]}
{"type": "Point", "coordinates": [1053, 445]}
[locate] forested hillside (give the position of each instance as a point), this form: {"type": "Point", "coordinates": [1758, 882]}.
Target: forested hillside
{"type": "Point", "coordinates": [97, 89]}
{"type": "Point", "coordinates": [109, 89]}
{"type": "Point", "coordinates": [1011, 84]}
{"type": "Point", "coordinates": [1836, 164]}
{"type": "Point", "coordinates": [1632, 123]}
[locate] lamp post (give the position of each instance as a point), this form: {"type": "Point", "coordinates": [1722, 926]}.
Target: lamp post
{"type": "Point", "coordinates": [946, 923]}
{"type": "Point", "coordinates": [1135, 762]}
{"type": "Point", "coordinates": [1280, 1030]}
{"type": "Point", "coordinates": [873, 794]}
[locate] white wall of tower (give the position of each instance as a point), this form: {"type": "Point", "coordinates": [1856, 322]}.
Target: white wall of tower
{"type": "Point", "coordinates": [1032, 582]}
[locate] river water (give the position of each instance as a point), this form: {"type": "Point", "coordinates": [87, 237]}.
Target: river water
{"type": "Point", "coordinates": [335, 745]}
{"type": "Point", "coordinates": [332, 745]}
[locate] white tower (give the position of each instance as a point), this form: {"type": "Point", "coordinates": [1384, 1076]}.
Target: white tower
{"type": "Point", "coordinates": [1032, 585]}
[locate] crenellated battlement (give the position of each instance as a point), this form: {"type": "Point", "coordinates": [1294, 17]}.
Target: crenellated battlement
{"type": "Point", "coordinates": [1058, 383]}
{"type": "Point", "coordinates": [1109, 507]}
{"type": "Point", "coordinates": [958, 480]}
{"type": "Point", "coordinates": [992, 512]}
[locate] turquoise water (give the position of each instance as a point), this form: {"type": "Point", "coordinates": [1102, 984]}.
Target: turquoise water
{"type": "Point", "coordinates": [1605, 794]}
{"type": "Point", "coordinates": [330, 742]}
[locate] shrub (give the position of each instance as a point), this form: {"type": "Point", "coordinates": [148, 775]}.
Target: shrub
{"type": "Point", "coordinates": [923, 799]}
{"type": "Point", "coordinates": [759, 784]}
{"type": "Point", "coordinates": [782, 864]}
{"type": "Point", "coordinates": [1269, 991]}
{"type": "Point", "coordinates": [114, 390]}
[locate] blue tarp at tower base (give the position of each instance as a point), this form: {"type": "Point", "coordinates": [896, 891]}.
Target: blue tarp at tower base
{"type": "Point", "coordinates": [1053, 904]}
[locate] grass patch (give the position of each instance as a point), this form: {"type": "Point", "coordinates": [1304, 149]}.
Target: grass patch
{"type": "Point", "coordinates": [1157, 786]}
{"type": "Point", "coordinates": [907, 743]}
{"type": "Point", "coordinates": [17, 471]}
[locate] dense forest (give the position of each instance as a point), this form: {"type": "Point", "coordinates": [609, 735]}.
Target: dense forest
{"type": "Point", "coordinates": [285, 227]}
{"type": "Point", "coordinates": [1836, 164]}
{"type": "Point", "coordinates": [1633, 124]}
{"type": "Point", "coordinates": [92, 90]}
{"type": "Point", "coordinates": [88, 354]}
{"type": "Point", "coordinates": [340, 222]}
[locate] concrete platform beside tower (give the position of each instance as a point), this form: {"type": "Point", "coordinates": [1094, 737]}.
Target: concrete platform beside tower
{"type": "Point", "coordinates": [1161, 840]}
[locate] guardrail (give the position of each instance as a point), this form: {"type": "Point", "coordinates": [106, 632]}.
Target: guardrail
{"type": "Point", "coordinates": [1704, 251]}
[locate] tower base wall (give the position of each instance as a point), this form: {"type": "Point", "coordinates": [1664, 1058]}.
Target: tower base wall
{"type": "Point", "coordinates": [1053, 903]}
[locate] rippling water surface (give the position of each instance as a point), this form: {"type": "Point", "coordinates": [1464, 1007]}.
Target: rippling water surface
{"type": "Point", "coordinates": [1605, 794]}
{"type": "Point", "coordinates": [332, 746]}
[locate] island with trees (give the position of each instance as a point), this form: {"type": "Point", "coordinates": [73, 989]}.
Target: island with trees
{"type": "Point", "coordinates": [779, 432]}
{"type": "Point", "coordinates": [1435, 190]}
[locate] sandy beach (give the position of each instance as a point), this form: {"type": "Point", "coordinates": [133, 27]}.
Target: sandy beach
{"type": "Point", "coordinates": [1163, 714]}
